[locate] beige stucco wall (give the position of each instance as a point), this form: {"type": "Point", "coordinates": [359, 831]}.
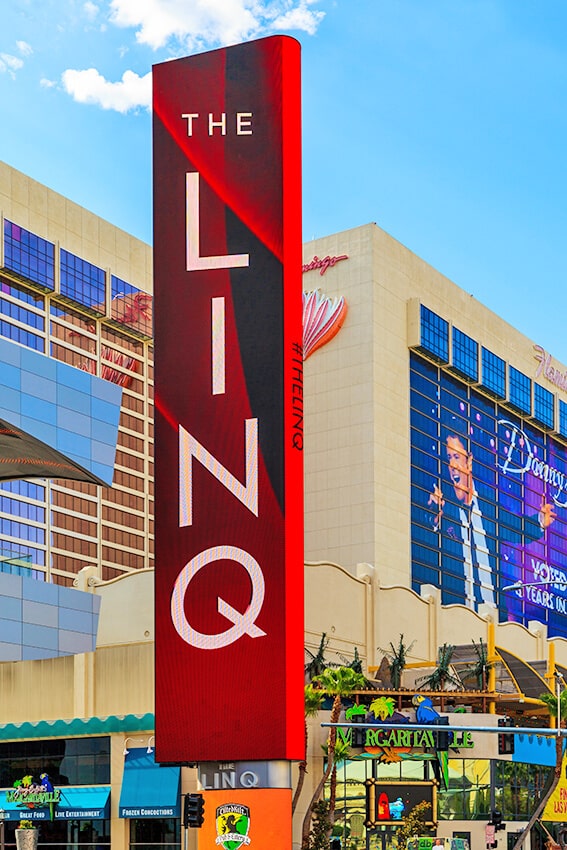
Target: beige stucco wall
{"type": "Point", "coordinates": [357, 465]}
{"type": "Point", "coordinates": [56, 218]}
{"type": "Point", "coordinates": [358, 610]}
{"type": "Point", "coordinates": [353, 611]}
{"type": "Point", "coordinates": [127, 606]}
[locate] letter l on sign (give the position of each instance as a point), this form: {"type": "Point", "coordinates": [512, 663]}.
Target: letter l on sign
{"type": "Point", "coordinates": [194, 261]}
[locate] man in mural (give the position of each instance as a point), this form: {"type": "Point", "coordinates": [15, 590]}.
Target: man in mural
{"type": "Point", "coordinates": [463, 519]}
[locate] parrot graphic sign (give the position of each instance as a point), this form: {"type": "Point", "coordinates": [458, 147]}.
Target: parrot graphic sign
{"type": "Point", "coordinates": [30, 795]}
{"type": "Point", "coordinates": [394, 745]}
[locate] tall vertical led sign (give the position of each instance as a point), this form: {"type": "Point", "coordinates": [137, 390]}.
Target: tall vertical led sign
{"type": "Point", "coordinates": [228, 404]}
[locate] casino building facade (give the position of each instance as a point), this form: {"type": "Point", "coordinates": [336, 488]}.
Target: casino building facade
{"type": "Point", "coordinates": [435, 482]}
{"type": "Point", "coordinates": [435, 461]}
{"type": "Point", "coordinates": [423, 396]}
{"type": "Point", "coordinates": [77, 291]}
{"type": "Point", "coordinates": [76, 375]}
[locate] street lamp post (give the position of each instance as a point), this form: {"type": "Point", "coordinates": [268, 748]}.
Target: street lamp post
{"type": "Point", "coordinates": [518, 585]}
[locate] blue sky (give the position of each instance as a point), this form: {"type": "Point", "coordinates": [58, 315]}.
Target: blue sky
{"type": "Point", "coordinates": [444, 121]}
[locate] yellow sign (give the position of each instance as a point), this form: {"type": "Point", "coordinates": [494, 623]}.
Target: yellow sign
{"type": "Point", "coordinates": [556, 806]}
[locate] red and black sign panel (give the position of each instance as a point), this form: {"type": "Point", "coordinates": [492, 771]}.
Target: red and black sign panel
{"type": "Point", "coordinates": [228, 405]}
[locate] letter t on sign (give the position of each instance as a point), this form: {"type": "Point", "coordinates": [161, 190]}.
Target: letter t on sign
{"type": "Point", "coordinates": [194, 261]}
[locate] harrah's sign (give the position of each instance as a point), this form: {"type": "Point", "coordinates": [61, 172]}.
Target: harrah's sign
{"type": "Point", "coordinates": [228, 377]}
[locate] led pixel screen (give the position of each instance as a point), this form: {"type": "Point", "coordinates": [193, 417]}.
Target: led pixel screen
{"type": "Point", "coordinates": [228, 388]}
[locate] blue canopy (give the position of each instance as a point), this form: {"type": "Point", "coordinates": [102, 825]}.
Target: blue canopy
{"type": "Point", "coordinates": [148, 790]}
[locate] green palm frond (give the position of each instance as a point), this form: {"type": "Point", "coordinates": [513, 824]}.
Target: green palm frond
{"type": "Point", "coordinates": [382, 707]}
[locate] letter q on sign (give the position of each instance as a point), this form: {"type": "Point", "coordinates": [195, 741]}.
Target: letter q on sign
{"type": "Point", "coordinates": [242, 623]}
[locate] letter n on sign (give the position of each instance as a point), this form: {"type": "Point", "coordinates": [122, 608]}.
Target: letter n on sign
{"type": "Point", "coordinates": [228, 348]}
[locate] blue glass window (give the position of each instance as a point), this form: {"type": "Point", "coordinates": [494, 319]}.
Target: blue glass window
{"type": "Point", "coordinates": [15, 563]}
{"type": "Point", "coordinates": [424, 423]}
{"type": "Point", "coordinates": [563, 418]}
{"type": "Point", "coordinates": [425, 556]}
{"type": "Point", "coordinates": [131, 307]}
{"type": "Point", "coordinates": [425, 405]}
{"type": "Point", "coordinates": [493, 373]}
{"type": "Point", "coordinates": [423, 442]}
{"type": "Point", "coordinates": [544, 406]}
{"type": "Point", "coordinates": [425, 387]}
{"type": "Point", "coordinates": [434, 334]}
{"type": "Point", "coordinates": [421, 534]}
{"type": "Point", "coordinates": [25, 488]}
{"type": "Point", "coordinates": [425, 461]}
{"type": "Point", "coordinates": [13, 528]}
{"type": "Point", "coordinates": [29, 255]}
{"type": "Point", "coordinates": [23, 510]}
{"type": "Point", "coordinates": [482, 405]}
{"type": "Point", "coordinates": [520, 390]}
{"type": "Point", "coordinates": [27, 296]}
{"type": "Point", "coordinates": [22, 336]}
{"type": "Point", "coordinates": [82, 282]}
{"type": "Point", "coordinates": [26, 317]}
{"type": "Point", "coordinates": [37, 555]}
{"type": "Point", "coordinates": [454, 404]}
{"type": "Point", "coordinates": [465, 355]}
{"type": "Point", "coordinates": [454, 386]}
{"type": "Point", "coordinates": [423, 367]}
{"type": "Point", "coordinates": [72, 761]}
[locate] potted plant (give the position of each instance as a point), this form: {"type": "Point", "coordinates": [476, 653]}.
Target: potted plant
{"type": "Point", "coordinates": [26, 835]}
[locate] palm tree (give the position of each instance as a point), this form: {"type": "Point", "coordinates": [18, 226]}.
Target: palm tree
{"type": "Point", "coordinates": [313, 701]}
{"type": "Point", "coordinates": [397, 660]}
{"type": "Point", "coordinates": [337, 683]}
{"type": "Point", "coordinates": [551, 702]}
{"type": "Point", "coordinates": [442, 675]}
{"type": "Point", "coordinates": [342, 753]}
{"type": "Point", "coordinates": [382, 707]}
{"type": "Point", "coordinates": [482, 666]}
{"type": "Point", "coordinates": [317, 661]}
{"type": "Point", "coordinates": [356, 663]}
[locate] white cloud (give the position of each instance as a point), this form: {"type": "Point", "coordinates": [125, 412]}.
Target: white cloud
{"type": "Point", "coordinates": [10, 64]}
{"type": "Point", "coordinates": [24, 48]}
{"type": "Point", "coordinates": [299, 18]}
{"type": "Point", "coordinates": [47, 84]}
{"type": "Point", "coordinates": [186, 25]}
{"type": "Point", "coordinates": [192, 24]}
{"type": "Point", "coordinates": [90, 86]}
{"type": "Point", "coordinates": [91, 10]}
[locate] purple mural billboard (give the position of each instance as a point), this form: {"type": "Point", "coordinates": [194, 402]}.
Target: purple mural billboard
{"type": "Point", "coordinates": [489, 500]}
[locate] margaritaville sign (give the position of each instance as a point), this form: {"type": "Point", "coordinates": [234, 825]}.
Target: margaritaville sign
{"type": "Point", "coordinates": [29, 796]}
{"type": "Point", "coordinates": [410, 739]}
{"type": "Point", "coordinates": [390, 745]}
{"type": "Point", "coordinates": [35, 794]}
{"type": "Point", "coordinates": [403, 739]}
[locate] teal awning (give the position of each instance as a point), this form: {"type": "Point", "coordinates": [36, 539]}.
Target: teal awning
{"type": "Point", "coordinates": [85, 801]}
{"type": "Point", "coordinates": [148, 790]}
{"type": "Point", "coordinates": [124, 723]}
